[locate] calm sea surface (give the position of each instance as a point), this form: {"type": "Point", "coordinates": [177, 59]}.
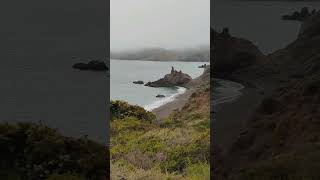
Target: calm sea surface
{"type": "Point", "coordinates": [124, 72]}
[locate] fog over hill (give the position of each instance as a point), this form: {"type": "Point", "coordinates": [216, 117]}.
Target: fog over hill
{"type": "Point", "coordinates": [200, 53]}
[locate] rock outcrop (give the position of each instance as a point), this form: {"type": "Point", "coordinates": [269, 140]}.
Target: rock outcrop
{"type": "Point", "coordinates": [138, 82]}
{"type": "Point", "coordinates": [300, 16]}
{"type": "Point", "coordinates": [281, 139]}
{"type": "Point", "coordinates": [231, 54]}
{"type": "Point", "coordinates": [203, 66]}
{"type": "Point", "coordinates": [93, 65]}
{"type": "Point", "coordinates": [310, 27]}
{"type": "Point", "coordinates": [175, 78]}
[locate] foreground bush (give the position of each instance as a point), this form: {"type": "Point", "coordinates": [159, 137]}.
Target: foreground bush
{"type": "Point", "coordinates": [174, 148]}
{"type": "Point", "coordinates": [121, 109]}
{"type": "Point", "coordinates": [36, 152]}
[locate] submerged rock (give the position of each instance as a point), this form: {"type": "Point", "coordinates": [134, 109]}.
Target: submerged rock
{"type": "Point", "coordinates": [93, 65]}
{"type": "Point", "coordinates": [138, 82]}
{"type": "Point", "coordinates": [175, 78]}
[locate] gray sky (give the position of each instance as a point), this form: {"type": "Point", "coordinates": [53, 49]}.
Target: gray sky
{"type": "Point", "coordinates": [159, 23]}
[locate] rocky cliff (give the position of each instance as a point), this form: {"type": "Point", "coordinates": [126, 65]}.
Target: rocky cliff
{"type": "Point", "coordinates": [175, 78]}
{"type": "Point", "coordinates": [231, 54]}
{"type": "Point", "coordinates": [282, 137]}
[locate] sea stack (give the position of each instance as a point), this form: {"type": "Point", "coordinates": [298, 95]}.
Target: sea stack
{"type": "Point", "coordinates": [175, 78]}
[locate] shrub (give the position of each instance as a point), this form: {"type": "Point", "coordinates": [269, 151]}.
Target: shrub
{"type": "Point", "coordinates": [199, 171]}
{"type": "Point", "coordinates": [36, 151]}
{"type": "Point", "coordinates": [65, 177]}
{"type": "Point", "coordinates": [268, 106]}
{"type": "Point", "coordinates": [312, 86]}
{"type": "Point", "coordinates": [121, 109]}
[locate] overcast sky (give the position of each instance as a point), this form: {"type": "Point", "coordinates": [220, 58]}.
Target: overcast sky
{"type": "Point", "coordinates": [159, 23]}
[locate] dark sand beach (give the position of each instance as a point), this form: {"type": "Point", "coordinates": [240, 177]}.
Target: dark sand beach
{"type": "Point", "coordinates": [165, 110]}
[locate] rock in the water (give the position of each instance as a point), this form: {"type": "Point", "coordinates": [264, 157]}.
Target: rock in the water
{"type": "Point", "coordinates": [93, 65]}
{"type": "Point", "coordinates": [203, 66]}
{"type": "Point", "coordinates": [175, 78]}
{"type": "Point", "coordinates": [138, 82]}
{"type": "Point", "coordinates": [160, 96]}
{"type": "Point", "coordinates": [300, 16]}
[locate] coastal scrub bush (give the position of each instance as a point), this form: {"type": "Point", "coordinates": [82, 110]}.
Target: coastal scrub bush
{"type": "Point", "coordinates": [199, 171]}
{"type": "Point", "coordinates": [268, 106]}
{"type": "Point", "coordinates": [180, 156]}
{"type": "Point", "coordinates": [66, 176]}
{"type": "Point", "coordinates": [121, 109]}
{"type": "Point", "coordinates": [172, 148]}
{"type": "Point", "coordinates": [312, 85]}
{"type": "Point", "coordinates": [129, 124]}
{"type": "Point", "coordinates": [35, 152]}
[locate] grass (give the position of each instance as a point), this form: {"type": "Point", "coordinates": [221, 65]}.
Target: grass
{"type": "Point", "coordinates": [176, 148]}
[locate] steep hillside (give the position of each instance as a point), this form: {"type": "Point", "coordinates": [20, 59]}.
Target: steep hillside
{"type": "Point", "coordinates": [177, 147]}
{"type": "Point", "coordinates": [231, 54]}
{"type": "Point", "coordinates": [281, 140]}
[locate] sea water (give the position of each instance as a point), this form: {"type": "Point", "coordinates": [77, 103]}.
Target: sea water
{"type": "Point", "coordinates": [124, 72]}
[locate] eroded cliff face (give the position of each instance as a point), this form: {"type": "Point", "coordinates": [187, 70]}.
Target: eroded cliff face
{"type": "Point", "coordinates": [175, 78]}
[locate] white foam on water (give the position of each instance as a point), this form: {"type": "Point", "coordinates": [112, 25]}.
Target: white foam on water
{"type": "Point", "coordinates": [163, 101]}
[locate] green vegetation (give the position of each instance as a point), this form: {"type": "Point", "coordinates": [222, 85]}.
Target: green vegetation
{"type": "Point", "coordinates": [282, 141]}
{"type": "Point", "coordinates": [174, 148]}
{"type": "Point", "coordinates": [32, 151]}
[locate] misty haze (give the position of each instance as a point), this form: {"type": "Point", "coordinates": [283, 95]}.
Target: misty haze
{"type": "Point", "coordinates": [166, 24]}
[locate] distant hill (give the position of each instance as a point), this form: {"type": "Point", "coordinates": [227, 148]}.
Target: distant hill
{"type": "Point", "coordinates": [199, 54]}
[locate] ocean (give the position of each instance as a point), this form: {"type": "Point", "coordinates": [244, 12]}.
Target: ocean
{"type": "Point", "coordinates": [124, 72]}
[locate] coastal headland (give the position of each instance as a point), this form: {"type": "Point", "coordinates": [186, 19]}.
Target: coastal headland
{"type": "Point", "coordinates": [273, 127]}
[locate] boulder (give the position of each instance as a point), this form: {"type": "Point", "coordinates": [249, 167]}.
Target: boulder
{"type": "Point", "coordinates": [93, 65]}
{"type": "Point", "coordinates": [203, 66]}
{"type": "Point", "coordinates": [138, 82]}
{"type": "Point", "coordinates": [175, 78]}
{"type": "Point", "coordinates": [160, 96]}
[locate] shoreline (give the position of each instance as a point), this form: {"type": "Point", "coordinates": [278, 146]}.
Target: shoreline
{"type": "Point", "coordinates": [229, 125]}
{"type": "Point", "coordinates": [166, 109]}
